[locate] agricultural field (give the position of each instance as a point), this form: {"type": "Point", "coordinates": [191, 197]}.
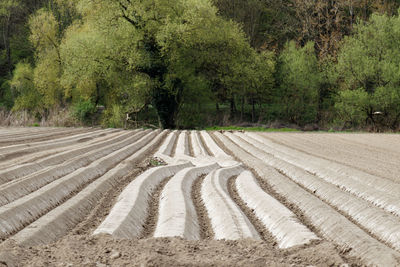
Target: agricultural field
{"type": "Point", "coordinates": [110, 197]}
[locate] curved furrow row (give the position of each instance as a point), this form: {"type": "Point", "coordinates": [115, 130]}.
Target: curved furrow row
{"type": "Point", "coordinates": [378, 222]}
{"type": "Point", "coordinates": [60, 220]}
{"type": "Point", "coordinates": [279, 220]}
{"type": "Point", "coordinates": [177, 214]}
{"type": "Point", "coordinates": [168, 145]}
{"type": "Point", "coordinates": [43, 148]}
{"type": "Point", "coordinates": [352, 146]}
{"type": "Point", "coordinates": [165, 151]}
{"type": "Point", "coordinates": [219, 155]}
{"type": "Point", "coordinates": [371, 193]}
{"type": "Point", "coordinates": [182, 147]}
{"type": "Point", "coordinates": [198, 148]}
{"type": "Point", "coordinates": [15, 215]}
{"type": "Point", "coordinates": [23, 186]}
{"type": "Point", "coordinates": [82, 136]}
{"type": "Point", "coordinates": [385, 141]}
{"type": "Point", "coordinates": [33, 134]}
{"type": "Point", "coordinates": [379, 183]}
{"type": "Point", "coordinates": [373, 160]}
{"type": "Point", "coordinates": [213, 147]}
{"type": "Point", "coordinates": [44, 136]}
{"type": "Point", "coordinates": [77, 151]}
{"type": "Point", "coordinates": [331, 224]}
{"type": "Point", "coordinates": [127, 217]}
{"type": "Point", "coordinates": [18, 132]}
{"type": "Point", "coordinates": [227, 219]}
{"type": "Point", "coordinates": [204, 144]}
{"type": "Point", "coordinates": [37, 146]}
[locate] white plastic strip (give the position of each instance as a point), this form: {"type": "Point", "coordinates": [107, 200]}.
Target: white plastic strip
{"type": "Point", "coordinates": [214, 148]}
{"type": "Point", "coordinates": [382, 224]}
{"type": "Point", "coordinates": [279, 220]}
{"type": "Point", "coordinates": [182, 147]}
{"type": "Point", "coordinates": [227, 219]}
{"type": "Point", "coordinates": [168, 144]}
{"type": "Point", "coordinates": [29, 168]}
{"type": "Point", "coordinates": [127, 217]}
{"type": "Point", "coordinates": [325, 168]}
{"type": "Point", "coordinates": [331, 224]}
{"type": "Point", "coordinates": [15, 215]}
{"type": "Point", "coordinates": [385, 199]}
{"type": "Point", "coordinates": [198, 149]}
{"type": "Point", "coordinates": [177, 214]}
{"type": "Point", "coordinates": [57, 222]}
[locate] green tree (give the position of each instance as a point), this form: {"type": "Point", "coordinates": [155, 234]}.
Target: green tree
{"type": "Point", "coordinates": [165, 54]}
{"type": "Point", "coordinates": [352, 107]}
{"type": "Point", "coordinates": [267, 23]}
{"type": "Point", "coordinates": [8, 8]}
{"type": "Point", "coordinates": [27, 97]}
{"type": "Point", "coordinates": [45, 38]}
{"type": "Point", "coordinates": [299, 79]}
{"type": "Point", "coordinates": [369, 61]}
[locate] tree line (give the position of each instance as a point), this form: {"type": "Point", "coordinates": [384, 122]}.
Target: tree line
{"type": "Point", "coordinates": [194, 63]}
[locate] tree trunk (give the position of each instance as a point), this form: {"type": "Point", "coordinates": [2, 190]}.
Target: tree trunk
{"type": "Point", "coordinates": [233, 107]}
{"type": "Point", "coordinates": [166, 106]}
{"type": "Point", "coordinates": [6, 40]}
{"type": "Point", "coordinates": [242, 109]}
{"type": "Point", "coordinates": [253, 109]}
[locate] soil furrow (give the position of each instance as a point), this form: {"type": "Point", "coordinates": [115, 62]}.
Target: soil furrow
{"type": "Point", "coordinates": [269, 190]}
{"type": "Point", "coordinates": [189, 139]}
{"type": "Point", "coordinates": [45, 211]}
{"type": "Point", "coordinates": [126, 219]}
{"type": "Point", "coordinates": [358, 160]}
{"type": "Point", "coordinates": [379, 224]}
{"type": "Point", "coordinates": [15, 155]}
{"type": "Point", "coordinates": [173, 150]}
{"type": "Point", "coordinates": [66, 159]}
{"type": "Point", "coordinates": [177, 213]}
{"type": "Point", "coordinates": [153, 210]}
{"type": "Point", "coordinates": [25, 210]}
{"type": "Point", "coordinates": [349, 238]}
{"type": "Point", "coordinates": [100, 212]}
{"type": "Point", "coordinates": [206, 231]}
{"type": "Point", "coordinates": [344, 214]}
{"type": "Point", "coordinates": [227, 220]}
{"type": "Point", "coordinates": [379, 192]}
{"type": "Point", "coordinates": [203, 143]}
{"type": "Point", "coordinates": [31, 139]}
{"type": "Point", "coordinates": [319, 166]}
{"type": "Point", "coordinates": [104, 205]}
{"type": "Point", "coordinates": [258, 225]}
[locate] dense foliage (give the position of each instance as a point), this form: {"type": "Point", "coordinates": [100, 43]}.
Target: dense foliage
{"type": "Point", "coordinates": [195, 63]}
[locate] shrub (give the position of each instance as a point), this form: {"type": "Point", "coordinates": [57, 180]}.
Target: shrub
{"type": "Point", "coordinates": [114, 117]}
{"type": "Point", "coordinates": [83, 111]}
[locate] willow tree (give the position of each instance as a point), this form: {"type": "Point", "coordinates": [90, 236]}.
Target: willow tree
{"type": "Point", "coordinates": [165, 53]}
{"type": "Point", "coordinates": [45, 38]}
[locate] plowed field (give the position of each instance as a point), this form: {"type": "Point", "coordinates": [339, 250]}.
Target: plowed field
{"type": "Point", "coordinates": [95, 197]}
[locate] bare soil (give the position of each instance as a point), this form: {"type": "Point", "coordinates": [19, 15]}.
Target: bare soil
{"type": "Point", "coordinates": [206, 231]}
{"type": "Point", "coordinates": [153, 210]}
{"type": "Point", "coordinates": [86, 250]}
{"type": "Point", "coordinates": [258, 225]}
{"type": "Point", "coordinates": [80, 248]}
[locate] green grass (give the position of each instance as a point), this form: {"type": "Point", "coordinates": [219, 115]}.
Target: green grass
{"type": "Point", "coordinates": [250, 129]}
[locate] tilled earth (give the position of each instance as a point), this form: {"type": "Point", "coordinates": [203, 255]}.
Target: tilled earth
{"type": "Point", "coordinates": [93, 197]}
